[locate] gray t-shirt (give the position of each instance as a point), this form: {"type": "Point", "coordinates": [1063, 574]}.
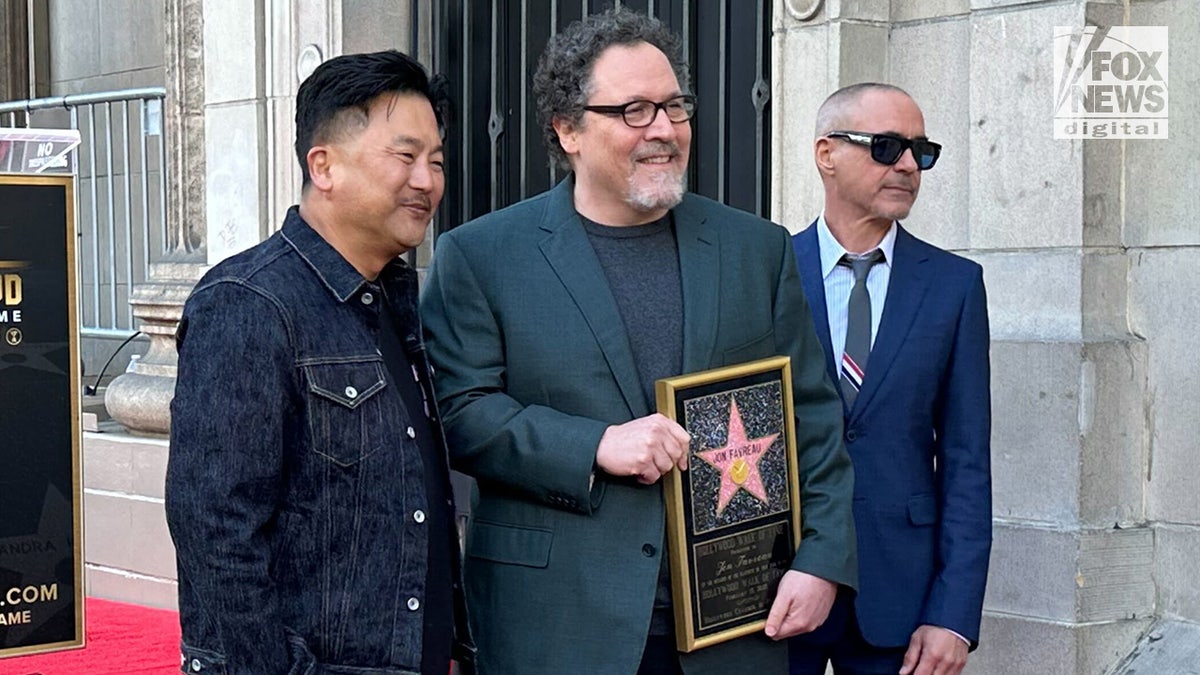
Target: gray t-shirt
{"type": "Point", "coordinates": [641, 264]}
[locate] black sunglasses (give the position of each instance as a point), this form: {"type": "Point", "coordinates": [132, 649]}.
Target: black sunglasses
{"type": "Point", "coordinates": [641, 113]}
{"type": "Point", "coordinates": [887, 148]}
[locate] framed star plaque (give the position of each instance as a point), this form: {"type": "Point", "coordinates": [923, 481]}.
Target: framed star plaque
{"type": "Point", "coordinates": [733, 518]}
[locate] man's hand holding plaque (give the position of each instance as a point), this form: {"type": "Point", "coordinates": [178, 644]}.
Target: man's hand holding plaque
{"type": "Point", "coordinates": [646, 448]}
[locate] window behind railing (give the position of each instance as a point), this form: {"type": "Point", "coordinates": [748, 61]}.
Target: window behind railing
{"type": "Point", "coordinates": [120, 194]}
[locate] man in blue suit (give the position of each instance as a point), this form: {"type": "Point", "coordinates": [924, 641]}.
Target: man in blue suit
{"type": "Point", "coordinates": [905, 332]}
{"type": "Point", "coordinates": [549, 323]}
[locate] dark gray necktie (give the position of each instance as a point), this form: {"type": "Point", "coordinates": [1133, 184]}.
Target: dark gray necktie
{"type": "Point", "coordinates": [858, 325]}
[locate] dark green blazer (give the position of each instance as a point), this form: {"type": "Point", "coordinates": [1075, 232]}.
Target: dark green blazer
{"type": "Point", "coordinates": [533, 363]}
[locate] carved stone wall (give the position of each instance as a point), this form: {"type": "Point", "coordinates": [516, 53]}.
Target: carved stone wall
{"type": "Point", "coordinates": [1085, 248]}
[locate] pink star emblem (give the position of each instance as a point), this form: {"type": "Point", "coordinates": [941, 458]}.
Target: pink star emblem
{"type": "Point", "coordinates": [738, 461]}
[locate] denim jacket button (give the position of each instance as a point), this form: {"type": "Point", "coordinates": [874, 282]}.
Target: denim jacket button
{"type": "Point", "coordinates": [419, 516]}
{"type": "Point", "coordinates": [196, 666]}
{"type": "Point", "coordinates": [414, 604]}
{"type": "Point", "coordinates": [367, 298]}
{"type": "Point", "coordinates": [411, 433]}
{"type": "Point", "coordinates": [351, 392]}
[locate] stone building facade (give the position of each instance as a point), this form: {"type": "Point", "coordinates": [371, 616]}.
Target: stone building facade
{"type": "Point", "coordinates": [1087, 248]}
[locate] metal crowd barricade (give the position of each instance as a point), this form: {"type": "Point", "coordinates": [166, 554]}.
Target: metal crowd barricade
{"type": "Point", "coordinates": [120, 196]}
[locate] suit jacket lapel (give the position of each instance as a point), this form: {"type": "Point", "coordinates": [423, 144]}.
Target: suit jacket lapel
{"type": "Point", "coordinates": [700, 272]}
{"type": "Point", "coordinates": [906, 290]}
{"type": "Point", "coordinates": [808, 257]}
{"type": "Point", "coordinates": [570, 254]}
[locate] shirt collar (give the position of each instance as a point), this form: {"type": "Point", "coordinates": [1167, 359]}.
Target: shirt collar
{"type": "Point", "coordinates": [338, 275]}
{"type": "Point", "coordinates": [831, 251]}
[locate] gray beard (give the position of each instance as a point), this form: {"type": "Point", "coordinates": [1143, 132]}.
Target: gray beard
{"type": "Point", "coordinates": [663, 193]}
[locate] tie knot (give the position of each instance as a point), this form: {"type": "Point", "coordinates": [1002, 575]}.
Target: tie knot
{"type": "Point", "coordinates": [861, 264]}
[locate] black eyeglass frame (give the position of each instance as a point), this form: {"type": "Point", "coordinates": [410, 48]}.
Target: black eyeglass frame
{"type": "Point", "coordinates": [880, 150]}
{"type": "Point", "coordinates": [688, 105]}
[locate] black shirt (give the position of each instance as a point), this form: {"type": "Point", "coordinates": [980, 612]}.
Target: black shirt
{"type": "Point", "coordinates": [438, 629]}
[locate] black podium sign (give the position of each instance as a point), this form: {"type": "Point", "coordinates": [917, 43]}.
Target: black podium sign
{"type": "Point", "coordinates": [41, 543]}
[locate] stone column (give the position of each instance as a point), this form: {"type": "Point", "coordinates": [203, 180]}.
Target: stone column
{"type": "Point", "coordinates": [1160, 199]}
{"type": "Point", "coordinates": [300, 36]}
{"type": "Point", "coordinates": [235, 139]}
{"type": "Point", "coordinates": [1071, 587]}
{"type": "Point", "coordinates": [184, 120]}
{"type": "Point", "coordinates": [14, 50]}
{"type": "Point", "coordinates": [140, 400]}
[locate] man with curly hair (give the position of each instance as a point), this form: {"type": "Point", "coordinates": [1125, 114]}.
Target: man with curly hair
{"type": "Point", "coordinates": [549, 322]}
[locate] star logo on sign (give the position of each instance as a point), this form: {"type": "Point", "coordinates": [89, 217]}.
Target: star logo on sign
{"type": "Point", "coordinates": [737, 461]}
{"type": "Point", "coordinates": [31, 355]}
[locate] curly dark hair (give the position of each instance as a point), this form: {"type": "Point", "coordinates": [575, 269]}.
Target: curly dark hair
{"type": "Point", "coordinates": [335, 98]}
{"type": "Point", "coordinates": [563, 80]}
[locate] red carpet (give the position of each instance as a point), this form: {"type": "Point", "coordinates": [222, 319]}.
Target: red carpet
{"type": "Point", "coordinates": [121, 640]}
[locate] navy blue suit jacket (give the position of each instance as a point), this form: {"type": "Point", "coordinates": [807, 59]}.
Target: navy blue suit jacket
{"type": "Point", "coordinates": [919, 436]}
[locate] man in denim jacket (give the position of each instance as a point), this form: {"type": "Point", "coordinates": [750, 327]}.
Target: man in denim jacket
{"type": "Point", "coordinates": [307, 488]}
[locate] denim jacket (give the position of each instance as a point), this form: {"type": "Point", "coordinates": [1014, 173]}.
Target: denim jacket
{"type": "Point", "coordinates": [294, 493]}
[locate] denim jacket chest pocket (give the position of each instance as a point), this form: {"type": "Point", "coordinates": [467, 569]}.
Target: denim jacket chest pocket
{"type": "Point", "coordinates": [345, 407]}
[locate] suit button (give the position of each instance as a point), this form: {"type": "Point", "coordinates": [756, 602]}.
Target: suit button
{"type": "Point", "coordinates": [648, 550]}
{"type": "Point", "coordinates": [851, 435]}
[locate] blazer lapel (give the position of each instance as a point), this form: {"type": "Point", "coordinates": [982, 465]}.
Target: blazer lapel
{"type": "Point", "coordinates": [570, 254]}
{"type": "Point", "coordinates": [808, 257]}
{"type": "Point", "coordinates": [700, 272]}
{"type": "Point", "coordinates": [906, 290]}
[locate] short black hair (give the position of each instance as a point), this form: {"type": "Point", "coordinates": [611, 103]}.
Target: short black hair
{"type": "Point", "coordinates": [348, 84]}
{"type": "Point", "coordinates": [563, 80]}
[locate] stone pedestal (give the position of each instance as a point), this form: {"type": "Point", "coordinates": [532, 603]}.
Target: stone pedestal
{"type": "Point", "coordinates": [140, 400]}
{"type": "Point", "coordinates": [127, 545]}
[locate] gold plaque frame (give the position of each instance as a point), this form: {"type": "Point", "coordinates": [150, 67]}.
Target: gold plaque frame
{"type": "Point", "coordinates": [64, 221]}
{"type": "Point", "coordinates": [733, 519]}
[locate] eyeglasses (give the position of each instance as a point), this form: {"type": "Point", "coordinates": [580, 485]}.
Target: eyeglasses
{"type": "Point", "coordinates": [641, 113]}
{"type": "Point", "coordinates": [888, 148]}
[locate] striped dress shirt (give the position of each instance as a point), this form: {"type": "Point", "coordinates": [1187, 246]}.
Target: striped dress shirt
{"type": "Point", "coordinates": [839, 280]}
